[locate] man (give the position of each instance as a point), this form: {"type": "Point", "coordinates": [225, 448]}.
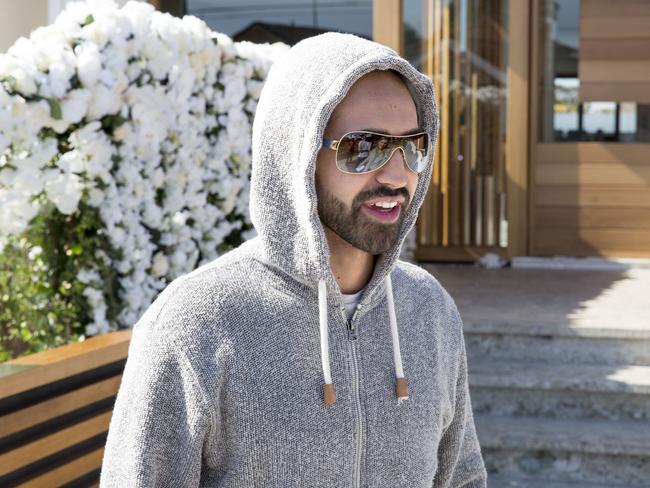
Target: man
{"type": "Point", "coordinates": [250, 371]}
{"type": "Point", "coordinates": [374, 155]}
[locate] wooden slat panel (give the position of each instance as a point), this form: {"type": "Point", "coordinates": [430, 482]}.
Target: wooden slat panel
{"type": "Point", "coordinates": [619, 49]}
{"type": "Point", "coordinates": [592, 174]}
{"type": "Point", "coordinates": [68, 472]}
{"type": "Point", "coordinates": [615, 71]}
{"type": "Point", "coordinates": [591, 152]}
{"type": "Point", "coordinates": [592, 218]}
{"type": "Point", "coordinates": [592, 196]}
{"type": "Point", "coordinates": [59, 405]}
{"type": "Point", "coordinates": [614, 40]}
{"type": "Point", "coordinates": [71, 351]}
{"type": "Point", "coordinates": [609, 8]}
{"type": "Point", "coordinates": [620, 92]}
{"type": "Point", "coordinates": [64, 362]}
{"type": "Point", "coordinates": [607, 27]}
{"type": "Point", "coordinates": [592, 242]}
{"type": "Point", "coordinates": [51, 444]}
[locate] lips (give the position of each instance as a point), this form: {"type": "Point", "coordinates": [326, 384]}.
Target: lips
{"type": "Point", "coordinates": [399, 200]}
{"type": "Point", "coordinates": [383, 215]}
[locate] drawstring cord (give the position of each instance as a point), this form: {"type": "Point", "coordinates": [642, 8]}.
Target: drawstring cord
{"type": "Point", "coordinates": [329, 395]}
{"type": "Point", "coordinates": [401, 388]}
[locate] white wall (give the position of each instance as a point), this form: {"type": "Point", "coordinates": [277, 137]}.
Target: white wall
{"type": "Point", "coordinates": [19, 18]}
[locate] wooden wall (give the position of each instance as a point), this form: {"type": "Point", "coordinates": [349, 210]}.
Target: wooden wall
{"type": "Point", "coordinates": [614, 60]}
{"type": "Point", "coordinates": [591, 199]}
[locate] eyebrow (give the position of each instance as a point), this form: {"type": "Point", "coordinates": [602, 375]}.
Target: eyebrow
{"type": "Point", "coordinates": [384, 131]}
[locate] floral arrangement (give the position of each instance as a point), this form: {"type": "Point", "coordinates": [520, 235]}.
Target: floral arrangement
{"type": "Point", "coordinates": [124, 163]}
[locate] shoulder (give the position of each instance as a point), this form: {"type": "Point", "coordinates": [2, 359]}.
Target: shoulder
{"type": "Point", "coordinates": [192, 303]}
{"type": "Point", "coordinates": [410, 275]}
{"type": "Point", "coordinates": [424, 287]}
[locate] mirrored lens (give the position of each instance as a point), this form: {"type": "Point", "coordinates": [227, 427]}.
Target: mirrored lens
{"type": "Point", "coordinates": [415, 151]}
{"type": "Point", "coordinates": [361, 152]}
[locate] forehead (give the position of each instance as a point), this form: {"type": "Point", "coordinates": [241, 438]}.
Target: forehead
{"type": "Point", "coordinates": [377, 99]}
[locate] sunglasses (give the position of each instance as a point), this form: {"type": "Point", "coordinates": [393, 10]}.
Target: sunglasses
{"type": "Point", "coordinates": [361, 151]}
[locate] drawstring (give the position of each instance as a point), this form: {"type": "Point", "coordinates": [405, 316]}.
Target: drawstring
{"type": "Point", "coordinates": [329, 396]}
{"type": "Point", "coordinates": [401, 388]}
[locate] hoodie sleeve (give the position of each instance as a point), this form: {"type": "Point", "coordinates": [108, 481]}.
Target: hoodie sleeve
{"type": "Point", "coordinates": [460, 463]}
{"type": "Point", "coordinates": [159, 420]}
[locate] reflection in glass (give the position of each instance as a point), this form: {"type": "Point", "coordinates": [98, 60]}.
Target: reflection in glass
{"type": "Point", "coordinates": [287, 21]}
{"type": "Point", "coordinates": [563, 117]}
{"type": "Point", "coordinates": [366, 151]}
{"type": "Point", "coordinates": [462, 46]}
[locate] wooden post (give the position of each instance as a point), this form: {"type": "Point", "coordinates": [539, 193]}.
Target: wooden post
{"type": "Point", "coordinates": [387, 20]}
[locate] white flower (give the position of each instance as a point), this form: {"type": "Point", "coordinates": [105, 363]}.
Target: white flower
{"type": "Point", "coordinates": [73, 161]}
{"type": "Point", "coordinates": [160, 265]}
{"type": "Point", "coordinates": [64, 190]}
{"type": "Point", "coordinates": [34, 252]}
{"type": "Point", "coordinates": [96, 197]}
{"type": "Point", "coordinates": [25, 84]}
{"type": "Point", "coordinates": [88, 276]}
{"type": "Point", "coordinates": [122, 132]}
{"type": "Point", "coordinates": [88, 64]}
{"type": "Point", "coordinates": [59, 76]}
{"type": "Point", "coordinates": [75, 105]}
{"type": "Point", "coordinates": [229, 203]}
{"type": "Point", "coordinates": [28, 181]}
{"type": "Point", "coordinates": [103, 101]}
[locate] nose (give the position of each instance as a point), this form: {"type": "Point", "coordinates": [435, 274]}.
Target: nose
{"type": "Point", "coordinates": [395, 172]}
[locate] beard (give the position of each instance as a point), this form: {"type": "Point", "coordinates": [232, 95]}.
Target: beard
{"type": "Point", "coordinates": [355, 226]}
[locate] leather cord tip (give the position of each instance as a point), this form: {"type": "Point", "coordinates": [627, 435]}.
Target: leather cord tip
{"type": "Point", "coordinates": [401, 388]}
{"type": "Point", "coordinates": [329, 393]}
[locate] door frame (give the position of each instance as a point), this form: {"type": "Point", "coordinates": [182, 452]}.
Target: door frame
{"type": "Point", "coordinates": [388, 30]}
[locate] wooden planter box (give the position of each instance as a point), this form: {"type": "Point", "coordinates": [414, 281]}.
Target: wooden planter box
{"type": "Point", "coordinates": [55, 409]}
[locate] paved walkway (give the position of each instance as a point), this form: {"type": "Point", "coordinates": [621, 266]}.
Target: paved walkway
{"type": "Point", "coordinates": [589, 301]}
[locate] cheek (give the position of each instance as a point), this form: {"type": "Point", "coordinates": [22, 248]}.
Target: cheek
{"type": "Point", "coordinates": [345, 188]}
{"type": "Point", "coordinates": [326, 171]}
{"type": "Point", "coordinates": [412, 184]}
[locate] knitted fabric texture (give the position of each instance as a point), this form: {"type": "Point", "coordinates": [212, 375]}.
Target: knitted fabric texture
{"type": "Point", "coordinates": [224, 381]}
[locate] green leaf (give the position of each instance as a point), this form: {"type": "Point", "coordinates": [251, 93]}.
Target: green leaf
{"type": "Point", "coordinates": [10, 83]}
{"type": "Point", "coordinates": [55, 108]}
{"type": "Point", "coordinates": [89, 20]}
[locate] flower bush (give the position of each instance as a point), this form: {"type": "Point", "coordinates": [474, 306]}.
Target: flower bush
{"type": "Point", "coordinates": [124, 163]}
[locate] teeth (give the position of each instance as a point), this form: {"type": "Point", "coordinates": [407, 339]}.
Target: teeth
{"type": "Point", "coordinates": [385, 204]}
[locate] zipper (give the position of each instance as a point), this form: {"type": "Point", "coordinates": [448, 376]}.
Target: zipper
{"type": "Point", "coordinates": [353, 337]}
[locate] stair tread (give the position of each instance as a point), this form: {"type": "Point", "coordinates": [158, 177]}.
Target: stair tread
{"type": "Point", "coordinates": [508, 482]}
{"type": "Point", "coordinates": [484, 372]}
{"type": "Point", "coordinates": [505, 326]}
{"type": "Point", "coordinates": [620, 437]}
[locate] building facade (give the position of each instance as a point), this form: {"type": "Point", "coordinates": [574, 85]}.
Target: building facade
{"type": "Point", "coordinates": [544, 147]}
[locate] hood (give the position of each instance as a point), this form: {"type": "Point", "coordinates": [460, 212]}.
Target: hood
{"type": "Point", "coordinates": [300, 93]}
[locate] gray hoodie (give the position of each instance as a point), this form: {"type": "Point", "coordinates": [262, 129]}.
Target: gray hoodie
{"type": "Point", "coordinates": [224, 385]}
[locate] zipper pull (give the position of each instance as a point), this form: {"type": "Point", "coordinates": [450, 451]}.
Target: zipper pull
{"type": "Point", "coordinates": [352, 333]}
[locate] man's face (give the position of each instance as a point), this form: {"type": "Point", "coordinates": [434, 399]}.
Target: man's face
{"type": "Point", "coordinates": [378, 101]}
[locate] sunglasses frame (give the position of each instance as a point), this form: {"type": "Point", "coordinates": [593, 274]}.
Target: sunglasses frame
{"type": "Point", "coordinates": [334, 145]}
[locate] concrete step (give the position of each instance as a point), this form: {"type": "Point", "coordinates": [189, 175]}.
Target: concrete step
{"type": "Point", "coordinates": [564, 391]}
{"type": "Point", "coordinates": [566, 450]}
{"type": "Point", "coordinates": [501, 482]}
{"type": "Point", "coordinates": [558, 343]}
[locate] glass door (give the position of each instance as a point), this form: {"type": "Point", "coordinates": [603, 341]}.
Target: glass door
{"type": "Point", "coordinates": [463, 46]}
